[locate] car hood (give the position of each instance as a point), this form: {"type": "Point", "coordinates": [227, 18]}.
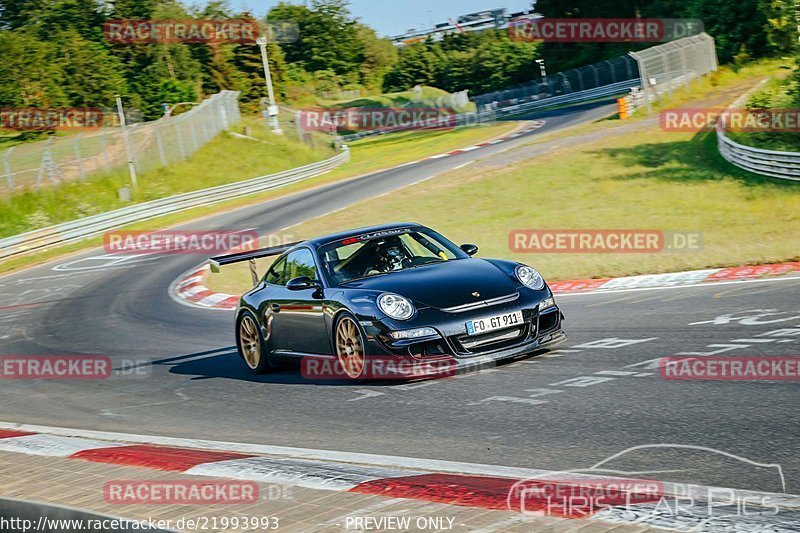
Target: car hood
{"type": "Point", "coordinates": [443, 285]}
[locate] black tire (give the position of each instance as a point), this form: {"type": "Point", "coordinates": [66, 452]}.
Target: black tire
{"type": "Point", "coordinates": [349, 346]}
{"type": "Point", "coordinates": [250, 344]}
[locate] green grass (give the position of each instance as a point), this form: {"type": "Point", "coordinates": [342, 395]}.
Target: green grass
{"type": "Point", "coordinates": [775, 94]}
{"type": "Point", "coordinates": [651, 180]}
{"type": "Point", "coordinates": [225, 159]}
{"type": "Point", "coordinates": [384, 151]}
{"type": "Point", "coordinates": [665, 183]}
{"type": "Point", "coordinates": [368, 155]}
{"type": "Point", "coordinates": [723, 77]}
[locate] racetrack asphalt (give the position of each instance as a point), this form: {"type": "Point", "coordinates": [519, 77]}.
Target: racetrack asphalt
{"type": "Point", "coordinates": [595, 397]}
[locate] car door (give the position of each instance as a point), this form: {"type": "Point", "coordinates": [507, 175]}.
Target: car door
{"type": "Point", "coordinates": [298, 319]}
{"type": "Point", "coordinates": [272, 294]}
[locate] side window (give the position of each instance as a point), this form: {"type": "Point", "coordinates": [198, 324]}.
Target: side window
{"type": "Point", "coordinates": [416, 247]}
{"type": "Point", "coordinates": [300, 263]}
{"type": "Point", "coordinates": [275, 274]}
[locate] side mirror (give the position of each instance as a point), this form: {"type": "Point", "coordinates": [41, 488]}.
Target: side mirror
{"type": "Point", "coordinates": [469, 249]}
{"type": "Point", "coordinates": [302, 283]}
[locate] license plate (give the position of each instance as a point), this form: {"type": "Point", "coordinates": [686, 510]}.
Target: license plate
{"type": "Point", "coordinates": [484, 325]}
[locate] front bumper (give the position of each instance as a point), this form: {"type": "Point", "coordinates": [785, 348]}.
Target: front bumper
{"type": "Point", "coordinates": [538, 331]}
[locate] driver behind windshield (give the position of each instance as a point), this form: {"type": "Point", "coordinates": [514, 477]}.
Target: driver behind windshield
{"type": "Point", "coordinates": [392, 255]}
{"type": "Point", "coordinates": [382, 255]}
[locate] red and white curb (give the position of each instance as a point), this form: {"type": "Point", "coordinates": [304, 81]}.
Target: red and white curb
{"type": "Point", "coordinates": [675, 279]}
{"type": "Point", "coordinates": [453, 483]}
{"type": "Point", "coordinates": [189, 288]}
{"type": "Point", "coordinates": [535, 125]}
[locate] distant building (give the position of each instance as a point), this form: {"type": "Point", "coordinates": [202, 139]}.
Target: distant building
{"type": "Point", "coordinates": [490, 19]}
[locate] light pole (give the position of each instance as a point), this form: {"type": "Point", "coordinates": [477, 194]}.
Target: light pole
{"type": "Point", "coordinates": [127, 140]}
{"type": "Point", "coordinates": [272, 111]}
{"type": "Point", "coordinates": [542, 70]}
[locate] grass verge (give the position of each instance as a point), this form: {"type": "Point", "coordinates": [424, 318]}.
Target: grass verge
{"type": "Point", "coordinates": [368, 155]}
{"type": "Point", "coordinates": [224, 160]}
{"type": "Point", "coordinates": [653, 180]}
{"type": "Point", "coordinates": [779, 93]}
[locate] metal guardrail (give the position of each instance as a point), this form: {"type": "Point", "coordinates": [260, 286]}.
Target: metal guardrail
{"type": "Point", "coordinates": [95, 224]}
{"type": "Point", "coordinates": [571, 98]}
{"type": "Point", "coordinates": [772, 163]}
{"type": "Point", "coordinates": [491, 114]}
{"type": "Point", "coordinates": [579, 79]}
{"type": "Point", "coordinates": [458, 121]}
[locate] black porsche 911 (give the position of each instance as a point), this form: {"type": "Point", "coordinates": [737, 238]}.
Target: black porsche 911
{"type": "Point", "coordinates": [393, 291]}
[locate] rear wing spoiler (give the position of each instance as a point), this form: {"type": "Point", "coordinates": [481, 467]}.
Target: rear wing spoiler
{"type": "Point", "coordinates": [249, 255]}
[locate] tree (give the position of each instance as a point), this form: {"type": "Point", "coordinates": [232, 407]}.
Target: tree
{"type": "Point", "coordinates": [782, 22]}
{"type": "Point", "coordinates": [91, 76]}
{"type": "Point", "coordinates": [328, 36]}
{"type": "Point", "coordinates": [734, 26]}
{"type": "Point", "coordinates": [761, 27]}
{"type": "Point", "coordinates": [15, 14]}
{"type": "Point", "coordinates": [417, 66]}
{"type": "Point", "coordinates": [479, 62]}
{"type": "Point", "coordinates": [27, 71]}
{"type": "Point", "coordinates": [379, 56]}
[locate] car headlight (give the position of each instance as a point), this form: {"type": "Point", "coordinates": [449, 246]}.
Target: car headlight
{"type": "Point", "coordinates": [529, 277]}
{"type": "Point", "coordinates": [395, 306]}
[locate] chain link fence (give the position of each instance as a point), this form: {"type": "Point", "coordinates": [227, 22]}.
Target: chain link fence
{"type": "Point", "coordinates": [152, 145]}
{"type": "Point", "coordinates": [669, 66]}
{"type": "Point", "coordinates": [661, 69]}
{"type": "Point", "coordinates": [611, 71]}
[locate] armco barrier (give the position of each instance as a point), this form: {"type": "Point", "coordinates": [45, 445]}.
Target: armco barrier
{"type": "Point", "coordinates": [95, 224]}
{"type": "Point", "coordinates": [771, 163]}
{"type": "Point", "coordinates": [571, 98]}
{"type": "Point", "coordinates": [490, 115]}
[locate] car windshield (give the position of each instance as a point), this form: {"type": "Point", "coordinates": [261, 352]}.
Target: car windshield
{"type": "Point", "coordinates": [384, 252]}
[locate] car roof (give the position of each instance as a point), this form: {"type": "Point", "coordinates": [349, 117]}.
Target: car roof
{"type": "Point", "coordinates": [325, 239]}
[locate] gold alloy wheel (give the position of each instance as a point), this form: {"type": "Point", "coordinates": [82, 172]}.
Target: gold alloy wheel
{"type": "Point", "coordinates": [349, 349]}
{"type": "Point", "coordinates": [249, 342]}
